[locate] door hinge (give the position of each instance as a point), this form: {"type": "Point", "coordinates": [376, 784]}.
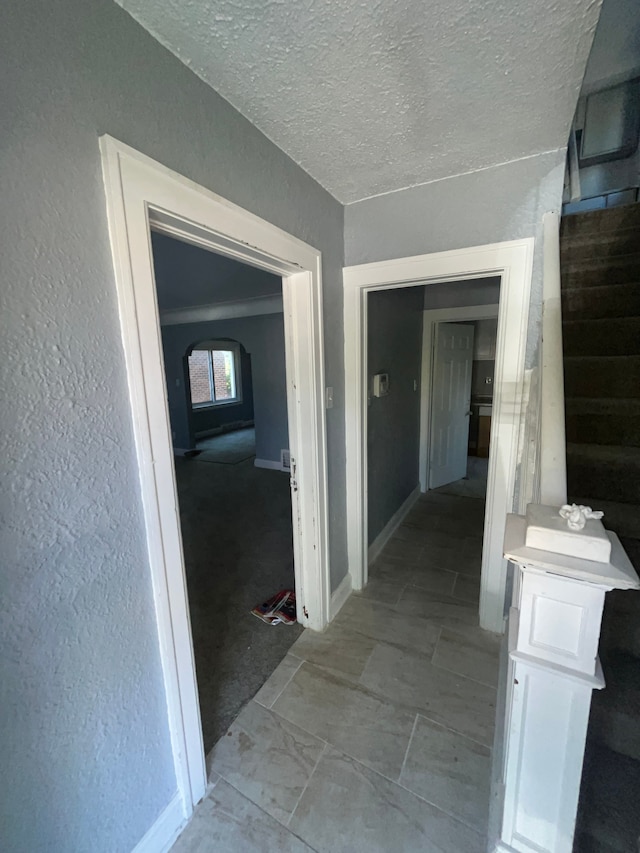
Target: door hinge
{"type": "Point", "coordinates": [306, 612]}
{"type": "Point", "coordinates": [293, 482]}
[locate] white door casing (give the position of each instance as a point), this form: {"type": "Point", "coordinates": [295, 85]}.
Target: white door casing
{"type": "Point", "coordinates": [513, 262]}
{"type": "Point", "coordinates": [450, 403]}
{"type": "Point", "coordinates": [141, 193]}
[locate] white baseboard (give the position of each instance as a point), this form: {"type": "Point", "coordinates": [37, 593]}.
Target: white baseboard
{"type": "Point", "coordinates": [161, 836]}
{"type": "Point", "coordinates": [232, 426]}
{"type": "Point", "coordinates": [339, 596]}
{"type": "Point", "coordinates": [208, 433]}
{"type": "Point", "coordinates": [390, 527]}
{"type": "Point", "coordinates": [268, 463]}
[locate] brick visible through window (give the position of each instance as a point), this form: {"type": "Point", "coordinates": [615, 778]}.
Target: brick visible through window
{"type": "Point", "coordinates": [212, 375]}
{"type": "Point", "coordinates": [223, 374]}
{"type": "Point", "coordinates": [199, 376]}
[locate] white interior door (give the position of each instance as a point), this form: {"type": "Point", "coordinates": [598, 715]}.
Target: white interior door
{"type": "Point", "coordinates": [450, 403]}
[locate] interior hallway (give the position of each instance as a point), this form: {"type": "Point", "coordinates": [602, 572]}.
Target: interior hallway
{"type": "Point", "coordinates": [474, 485]}
{"type": "Point", "coordinates": [377, 734]}
{"type": "Point", "coordinates": [237, 538]}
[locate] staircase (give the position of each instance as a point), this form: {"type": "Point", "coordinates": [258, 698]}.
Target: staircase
{"type": "Point", "coordinates": [600, 262]}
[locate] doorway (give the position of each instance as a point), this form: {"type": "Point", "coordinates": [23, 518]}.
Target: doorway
{"type": "Point", "coordinates": [227, 399]}
{"type": "Point", "coordinates": [511, 263]}
{"type": "Point", "coordinates": [459, 467]}
{"type": "Point", "coordinates": [142, 194]}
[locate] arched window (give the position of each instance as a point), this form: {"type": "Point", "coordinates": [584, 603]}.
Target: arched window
{"type": "Point", "coordinates": [214, 374]}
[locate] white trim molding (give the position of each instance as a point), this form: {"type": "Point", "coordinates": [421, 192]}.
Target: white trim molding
{"type": "Point", "coordinates": [340, 596]}
{"type": "Point", "coordinates": [512, 261]}
{"type": "Point", "coordinates": [161, 836]}
{"type": "Point", "coordinates": [141, 193]}
{"type": "Point", "coordinates": [253, 307]}
{"type": "Point", "coordinates": [392, 525]}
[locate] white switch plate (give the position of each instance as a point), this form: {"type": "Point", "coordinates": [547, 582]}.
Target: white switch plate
{"type": "Point", "coordinates": [381, 385]}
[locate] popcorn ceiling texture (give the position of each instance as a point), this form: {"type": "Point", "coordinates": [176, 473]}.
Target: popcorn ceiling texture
{"type": "Point", "coordinates": [372, 97]}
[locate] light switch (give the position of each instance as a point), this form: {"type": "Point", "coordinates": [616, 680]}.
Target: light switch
{"type": "Point", "coordinates": [381, 385]}
{"type": "Point", "coordinates": [329, 397]}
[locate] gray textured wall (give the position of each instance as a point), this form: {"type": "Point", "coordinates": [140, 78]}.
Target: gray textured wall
{"type": "Point", "coordinates": [85, 743]}
{"type": "Point", "coordinates": [263, 339]}
{"type": "Point", "coordinates": [502, 203]}
{"type": "Point", "coordinates": [394, 346]}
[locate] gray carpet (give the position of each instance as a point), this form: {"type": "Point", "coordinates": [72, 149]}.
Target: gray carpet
{"type": "Point", "coordinates": [237, 535]}
{"type": "Point", "coordinates": [228, 448]}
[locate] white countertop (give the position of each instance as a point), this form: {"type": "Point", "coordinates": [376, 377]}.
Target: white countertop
{"type": "Point", "coordinates": [617, 574]}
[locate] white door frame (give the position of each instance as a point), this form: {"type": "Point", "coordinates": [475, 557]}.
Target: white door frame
{"type": "Point", "coordinates": [140, 192]}
{"type": "Point", "coordinates": [513, 262]}
{"type": "Point", "coordinates": [430, 319]}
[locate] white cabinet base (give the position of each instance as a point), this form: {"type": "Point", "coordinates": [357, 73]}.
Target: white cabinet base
{"type": "Point", "coordinates": [554, 629]}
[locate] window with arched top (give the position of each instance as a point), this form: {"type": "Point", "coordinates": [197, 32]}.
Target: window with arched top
{"type": "Point", "coordinates": [214, 374]}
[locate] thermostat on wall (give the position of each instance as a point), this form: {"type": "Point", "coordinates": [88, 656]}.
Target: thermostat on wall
{"type": "Point", "coordinates": [381, 385]}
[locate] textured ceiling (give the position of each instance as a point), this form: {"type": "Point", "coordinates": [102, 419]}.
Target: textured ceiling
{"type": "Point", "coordinates": [371, 96]}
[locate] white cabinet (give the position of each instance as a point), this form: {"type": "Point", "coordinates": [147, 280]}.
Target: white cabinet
{"type": "Point", "coordinates": [554, 628]}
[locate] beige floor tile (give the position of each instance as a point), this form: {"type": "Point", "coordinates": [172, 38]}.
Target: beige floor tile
{"type": "Point", "coordinates": [383, 589]}
{"type": "Point", "coordinates": [339, 649]}
{"type": "Point", "coordinates": [396, 547]}
{"type": "Point", "coordinates": [470, 567]}
{"type": "Point", "coordinates": [450, 771]}
{"type": "Point", "coordinates": [474, 654]}
{"type": "Point", "coordinates": [452, 558]}
{"type": "Point", "coordinates": [452, 700]}
{"type": "Point", "coordinates": [348, 716]}
{"type": "Point", "coordinates": [267, 759]}
{"type": "Point", "coordinates": [431, 579]}
{"type": "Point", "coordinates": [467, 588]}
{"type": "Point", "coordinates": [277, 681]}
{"type": "Point", "coordinates": [392, 570]}
{"type": "Point", "coordinates": [444, 610]}
{"type": "Point", "coordinates": [382, 623]}
{"type": "Point", "coordinates": [417, 572]}
{"type": "Point", "coordinates": [349, 809]}
{"type": "Point", "coordinates": [418, 534]}
{"type": "Point", "coordinates": [227, 822]}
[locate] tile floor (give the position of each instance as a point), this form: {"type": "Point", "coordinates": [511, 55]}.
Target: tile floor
{"type": "Point", "coordinates": [376, 735]}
